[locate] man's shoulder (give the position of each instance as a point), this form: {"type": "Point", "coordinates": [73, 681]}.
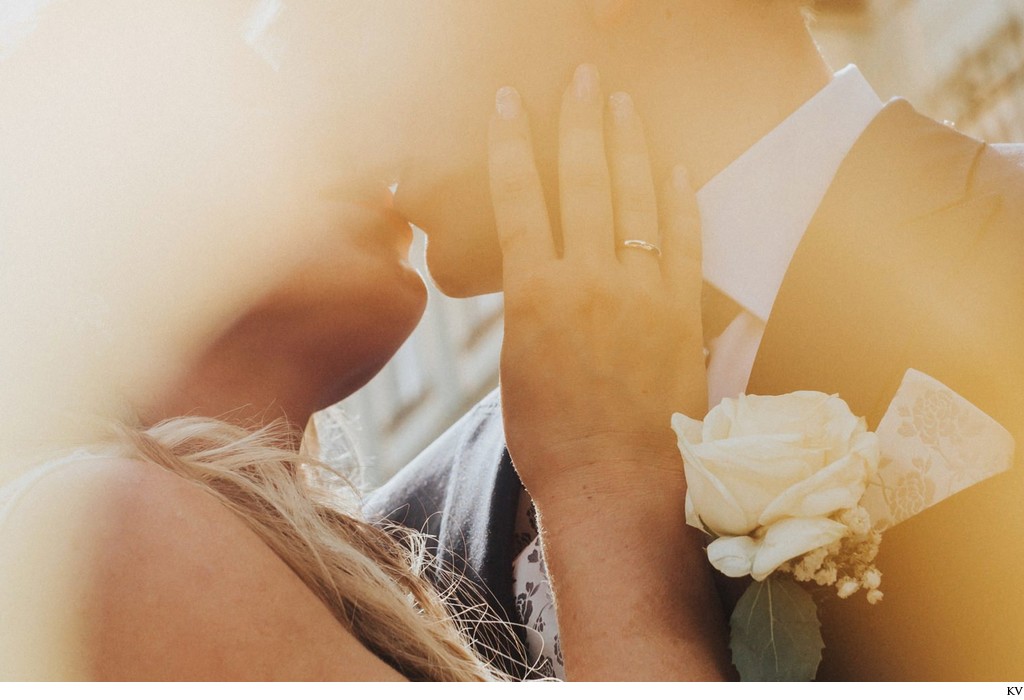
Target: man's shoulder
{"type": "Point", "coordinates": [1000, 171]}
{"type": "Point", "coordinates": [1013, 152]}
{"type": "Point", "coordinates": [998, 254]}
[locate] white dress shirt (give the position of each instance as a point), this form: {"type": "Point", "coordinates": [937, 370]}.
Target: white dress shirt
{"type": "Point", "coordinates": [753, 216]}
{"type": "Point", "coordinates": [754, 213]}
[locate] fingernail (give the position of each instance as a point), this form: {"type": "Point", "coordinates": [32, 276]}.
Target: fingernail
{"type": "Point", "coordinates": [584, 82]}
{"type": "Point", "coordinates": [621, 105]}
{"type": "Point", "coordinates": [680, 178]}
{"type": "Point", "coordinates": [508, 103]}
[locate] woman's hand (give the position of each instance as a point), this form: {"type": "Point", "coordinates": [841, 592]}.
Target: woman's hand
{"type": "Point", "coordinates": [603, 342]}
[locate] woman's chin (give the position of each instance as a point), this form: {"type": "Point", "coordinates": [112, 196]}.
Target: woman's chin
{"type": "Point", "coordinates": [409, 308]}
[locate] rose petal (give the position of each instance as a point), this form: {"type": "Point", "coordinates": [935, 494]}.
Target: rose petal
{"type": "Point", "coordinates": [733, 556]}
{"type": "Point", "coordinates": [713, 504]}
{"type": "Point", "coordinates": [754, 470]}
{"type": "Point", "coordinates": [804, 412]}
{"type": "Point", "coordinates": [839, 485]}
{"type": "Point", "coordinates": [790, 538]}
{"type": "Point", "coordinates": [692, 519]}
{"type": "Point", "coordinates": [867, 445]}
{"type": "Point", "coordinates": [709, 500]}
{"type": "Point", "coordinates": [841, 429]}
{"type": "Point", "coordinates": [719, 421]}
{"type": "Point", "coordinates": [687, 428]}
{"type": "Point", "coordinates": [786, 454]}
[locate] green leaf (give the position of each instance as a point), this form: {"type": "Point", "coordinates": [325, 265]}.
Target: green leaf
{"type": "Point", "coordinates": [776, 635]}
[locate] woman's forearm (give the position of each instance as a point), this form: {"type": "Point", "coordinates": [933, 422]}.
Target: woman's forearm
{"type": "Point", "coordinates": [632, 587]}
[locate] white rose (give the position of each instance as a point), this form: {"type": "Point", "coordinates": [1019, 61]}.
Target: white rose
{"type": "Point", "coordinates": [767, 475]}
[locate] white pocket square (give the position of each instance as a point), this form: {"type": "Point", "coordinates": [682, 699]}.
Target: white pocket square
{"type": "Point", "coordinates": [934, 443]}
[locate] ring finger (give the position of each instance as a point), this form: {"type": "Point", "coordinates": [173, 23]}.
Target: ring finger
{"type": "Point", "coordinates": [634, 198]}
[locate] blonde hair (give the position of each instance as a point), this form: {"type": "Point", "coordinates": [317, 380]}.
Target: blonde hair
{"type": "Point", "coordinates": [371, 578]}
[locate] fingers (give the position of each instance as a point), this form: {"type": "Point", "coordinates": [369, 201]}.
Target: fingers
{"type": "Point", "coordinates": [681, 235]}
{"type": "Point", "coordinates": [583, 178]}
{"type": "Point", "coordinates": [607, 194]}
{"type": "Point", "coordinates": [635, 202]}
{"type": "Point", "coordinates": [521, 215]}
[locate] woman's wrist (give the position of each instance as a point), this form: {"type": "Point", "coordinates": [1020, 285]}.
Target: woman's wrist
{"type": "Point", "coordinates": [614, 485]}
{"type": "Point", "coordinates": [631, 583]}
{"type": "Point", "coordinates": [644, 513]}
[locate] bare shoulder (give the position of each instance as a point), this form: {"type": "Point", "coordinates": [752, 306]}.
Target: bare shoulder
{"type": "Point", "coordinates": [162, 581]}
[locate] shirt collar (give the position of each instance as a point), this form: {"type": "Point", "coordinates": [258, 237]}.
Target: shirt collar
{"type": "Point", "coordinates": [755, 211]}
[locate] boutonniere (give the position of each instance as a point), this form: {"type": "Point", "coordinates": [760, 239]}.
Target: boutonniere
{"type": "Point", "coordinates": [776, 483]}
{"type": "Point", "coordinates": [794, 491]}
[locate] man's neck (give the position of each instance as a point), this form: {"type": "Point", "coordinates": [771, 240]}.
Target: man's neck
{"type": "Point", "coordinates": [745, 111]}
{"type": "Point", "coordinates": [730, 86]}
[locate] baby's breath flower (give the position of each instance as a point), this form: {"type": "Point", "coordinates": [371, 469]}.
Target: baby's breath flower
{"type": "Point", "coordinates": [827, 575]}
{"type": "Point", "coordinates": [847, 587]}
{"type": "Point", "coordinates": [871, 579]}
{"type": "Point", "coordinates": [802, 572]}
{"type": "Point", "coordinates": [865, 553]}
{"type": "Point", "coordinates": [815, 558]}
{"type": "Point", "coordinates": [874, 596]}
{"type": "Point", "coordinates": [857, 519]}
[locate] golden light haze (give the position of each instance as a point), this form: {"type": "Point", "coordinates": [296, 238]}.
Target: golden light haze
{"type": "Point", "coordinates": [158, 174]}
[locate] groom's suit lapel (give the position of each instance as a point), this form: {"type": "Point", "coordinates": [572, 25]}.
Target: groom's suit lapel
{"type": "Point", "coordinates": [887, 278]}
{"type": "Point", "coordinates": [892, 226]}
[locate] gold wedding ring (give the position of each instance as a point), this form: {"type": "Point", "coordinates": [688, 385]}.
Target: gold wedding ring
{"type": "Point", "coordinates": [645, 246]}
